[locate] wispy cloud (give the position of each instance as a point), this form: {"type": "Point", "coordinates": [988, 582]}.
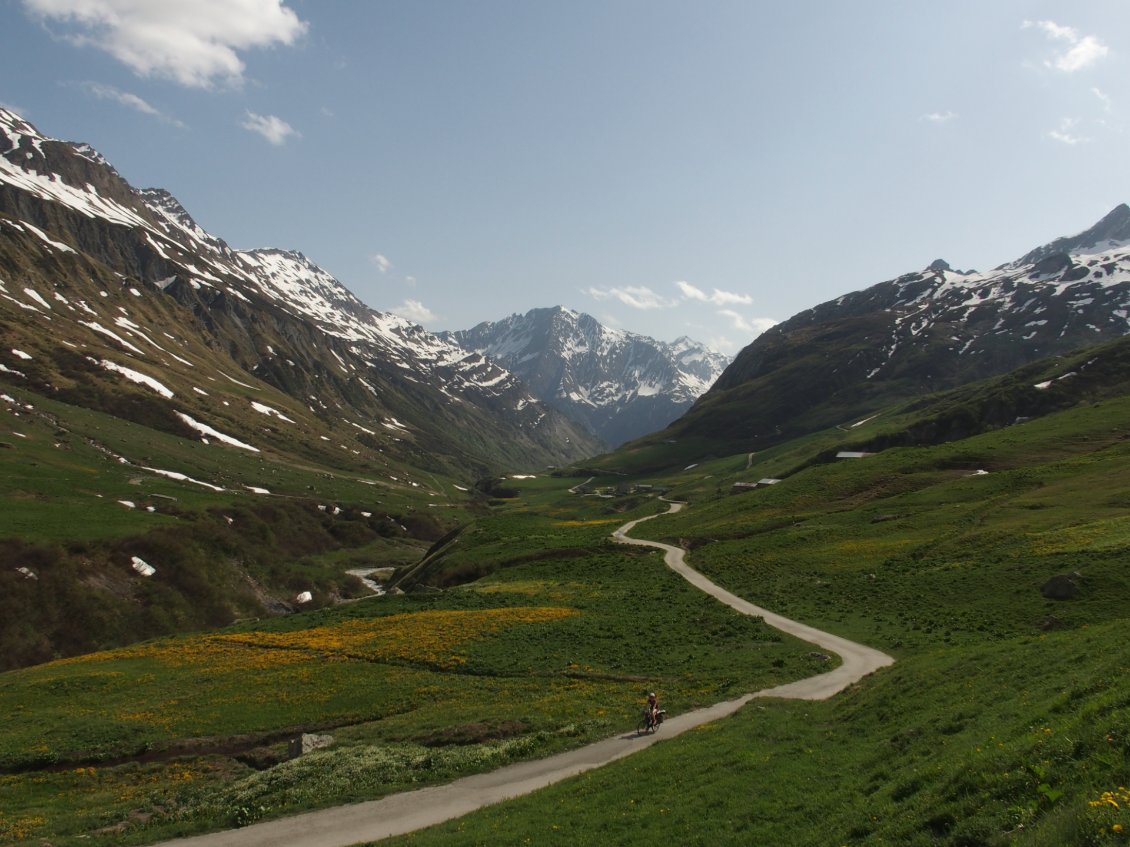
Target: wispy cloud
{"type": "Point", "coordinates": [194, 44]}
{"type": "Point", "coordinates": [1054, 31]}
{"type": "Point", "coordinates": [272, 128]}
{"type": "Point", "coordinates": [636, 296]}
{"type": "Point", "coordinates": [939, 117]}
{"type": "Point", "coordinates": [717, 297]}
{"type": "Point", "coordinates": [381, 262]}
{"type": "Point", "coordinates": [414, 310]}
{"type": "Point", "coordinates": [1065, 133]}
{"type": "Point", "coordinates": [741, 322]}
{"type": "Point", "coordinates": [130, 101]}
{"type": "Point", "coordinates": [723, 344]}
{"type": "Point", "coordinates": [1104, 98]}
{"type": "Point", "coordinates": [1077, 51]}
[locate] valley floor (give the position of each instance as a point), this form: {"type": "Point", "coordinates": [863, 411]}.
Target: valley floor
{"type": "Point", "coordinates": [408, 811]}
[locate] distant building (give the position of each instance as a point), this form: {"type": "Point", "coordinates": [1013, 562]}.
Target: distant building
{"type": "Point", "coordinates": [850, 454]}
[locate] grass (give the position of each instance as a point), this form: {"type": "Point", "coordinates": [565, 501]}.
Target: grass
{"type": "Point", "coordinates": [1006, 719]}
{"type": "Point", "coordinates": [1013, 737]}
{"type": "Point", "coordinates": [64, 476]}
{"type": "Point", "coordinates": [232, 534]}
{"type": "Point", "coordinates": [545, 653]}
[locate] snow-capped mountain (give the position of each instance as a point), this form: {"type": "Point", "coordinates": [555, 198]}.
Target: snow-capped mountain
{"type": "Point", "coordinates": [129, 280]}
{"type": "Point", "coordinates": [924, 331]}
{"type": "Point", "coordinates": [620, 384]}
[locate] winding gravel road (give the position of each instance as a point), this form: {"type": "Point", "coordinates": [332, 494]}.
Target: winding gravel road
{"type": "Point", "coordinates": [400, 813]}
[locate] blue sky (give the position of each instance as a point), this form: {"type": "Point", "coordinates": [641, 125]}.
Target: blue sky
{"type": "Point", "coordinates": [670, 168]}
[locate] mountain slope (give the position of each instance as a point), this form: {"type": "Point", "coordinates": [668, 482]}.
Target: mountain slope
{"type": "Point", "coordinates": [113, 271]}
{"type": "Point", "coordinates": [237, 420]}
{"type": "Point", "coordinates": [922, 332]}
{"type": "Point", "coordinates": [620, 384]}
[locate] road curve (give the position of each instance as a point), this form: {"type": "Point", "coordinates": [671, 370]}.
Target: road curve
{"type": "Point", "coordinates": [857, 660]}
{"type": "Point", "coordinates": [397, 814]}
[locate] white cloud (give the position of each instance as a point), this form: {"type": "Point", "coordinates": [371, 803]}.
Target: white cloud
{"type": "Point", "coordinates": [740, 322]}
{"type": "Point", "coordinates": [410, 281]}
{"type": "Point", "coordinates": [722, 344]}
{"type": "Point", "coordinates": [1053, 30]}
{"type": "Point", "coordinates": [274, 129]}
{"type": "Point", "coordinates": [717, 297]}
{"type": "Point", "coordinates": [381, 262]}
{"type": "Point", "coordinates": [1065, 133]}
{"type": "Point", "coordinates": [1081, 52]}
{"type": "Point", "coordinates": [1104, 98]}
{"type": "Point", "coordinates": [130, 101]}
{"type": "Point", "coordinates": [414, 310]}
{"type": "Point", "coordinates": [939, 117]}
{"type": "Point", "coordinates": [195, 44]}
{"type": "Point", "coordinates": [1081, 55]}
{"type": "Point", "coordinates": [636, 296]}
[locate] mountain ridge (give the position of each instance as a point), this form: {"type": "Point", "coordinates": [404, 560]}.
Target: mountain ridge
{"type": "Point", "coordinates": [921, 332]}
{"type": "Point", "coordinates": [274, 312]}
{"type": "Point", "coordinates": [620, 384]}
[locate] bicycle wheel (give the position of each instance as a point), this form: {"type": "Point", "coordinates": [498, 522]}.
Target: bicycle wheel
{"type": "Point", "coordinates": [643, 727]}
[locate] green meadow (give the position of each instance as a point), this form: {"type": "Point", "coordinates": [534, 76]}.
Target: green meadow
{"type": "Point", "coordinates": [556, 647]}
{"type": "Point", "coordinates": [1005, 720]}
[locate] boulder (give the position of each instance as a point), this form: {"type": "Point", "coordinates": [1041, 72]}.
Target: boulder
{"type": "Point", "coordinates": [306, 742]}
{"type": "Point", "coordinates": [1061, 587]}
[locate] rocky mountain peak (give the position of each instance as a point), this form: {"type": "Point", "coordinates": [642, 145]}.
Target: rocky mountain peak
{"type": "Point", "coordinates": [1113, 230]}
{"type": "Point", "coordinates": [619, 384]}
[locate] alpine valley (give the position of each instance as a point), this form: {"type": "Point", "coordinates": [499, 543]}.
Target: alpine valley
{"type": "Point", "coordinates": [265, 550]}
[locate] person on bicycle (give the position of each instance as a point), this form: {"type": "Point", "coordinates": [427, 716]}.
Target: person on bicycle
{"type": "Point", "coordinates": [652, 708]}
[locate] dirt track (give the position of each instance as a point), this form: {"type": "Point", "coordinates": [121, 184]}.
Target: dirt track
{"type": "Point", "coordinates": [400, 813]}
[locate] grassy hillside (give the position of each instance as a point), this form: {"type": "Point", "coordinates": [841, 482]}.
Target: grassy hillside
{"type": "Point", "coordinates": [230, 533]}
{"type": "Point", "coordinates": [1006, 719]}
{"type": "Point", "coordinates": [556, 648]}
{"type": "Point", "coordinates": [767, 415]}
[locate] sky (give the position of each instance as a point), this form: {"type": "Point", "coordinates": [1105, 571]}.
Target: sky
{"type": "Point", "coordinates": [670, 168]}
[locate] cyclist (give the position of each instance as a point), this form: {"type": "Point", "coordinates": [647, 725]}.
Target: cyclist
{"type": "Point", "coordinates": [652, 709]}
